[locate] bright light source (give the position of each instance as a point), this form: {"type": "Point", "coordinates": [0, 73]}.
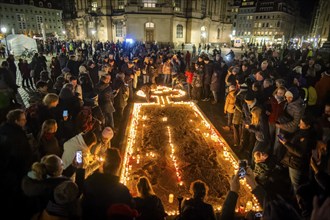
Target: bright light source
{"type": "Point", "coordinates": [129, 40]}
{"type": "Point", "coordinates": [93, 32]}
{"type": "Point", "coordinates": [64, 32]}
{"type": "Point", "coordinates": [4, 30]}
{"type": "Point", "coordinates": [203, 35]}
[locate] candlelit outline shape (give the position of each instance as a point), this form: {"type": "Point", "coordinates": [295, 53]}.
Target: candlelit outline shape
{"type": "Point", "coordinates": [215, 135]}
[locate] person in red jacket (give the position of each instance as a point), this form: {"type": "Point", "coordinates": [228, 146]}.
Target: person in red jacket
{"type": "Point", "coordinates": [189, 74]}
{"type": "Point", "coordinates": [275, 109]}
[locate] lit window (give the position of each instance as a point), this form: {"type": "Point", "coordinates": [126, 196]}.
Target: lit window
{"type": "Point", "coordinates": [121, 4]}
{"type": "Point", "coordinates": [149, 3]}
{"type": "Point", "coordinates": [177, 5]}
{"type": "Point", "coordinates": [150, 25]}
{"type": "Point", "coordinates": [119, 30]}
{"type": "Point", "coordinates": [94, 6]}
{"type": "Point", "coordinates": [179, 31]}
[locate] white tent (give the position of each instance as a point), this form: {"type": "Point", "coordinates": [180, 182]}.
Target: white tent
{"type": "Point", "coordinates": [18, 42]}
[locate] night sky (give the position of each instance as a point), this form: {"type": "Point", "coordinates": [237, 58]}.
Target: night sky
{"type": "Point", "coordinates": [307, 7]}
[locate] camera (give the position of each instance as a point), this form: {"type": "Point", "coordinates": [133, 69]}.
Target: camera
{"type": "Point", "coordinates": [242, 169]}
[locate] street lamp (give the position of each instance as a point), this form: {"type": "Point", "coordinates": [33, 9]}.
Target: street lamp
{"type": "Point", "coordinates": [64, 34]}
{"type": "Point", "coordinates": [4, 31]}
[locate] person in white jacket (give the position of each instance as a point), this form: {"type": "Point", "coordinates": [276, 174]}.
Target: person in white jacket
{"type": "Point", "coordinates": [81, 142]}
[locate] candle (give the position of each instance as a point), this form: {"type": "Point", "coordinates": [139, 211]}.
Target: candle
{"type": "Point", "coordinates": [170, 198]}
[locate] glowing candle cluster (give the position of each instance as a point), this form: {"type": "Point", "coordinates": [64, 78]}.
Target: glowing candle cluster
{"type": "Point", "coordinates": [172, 155]}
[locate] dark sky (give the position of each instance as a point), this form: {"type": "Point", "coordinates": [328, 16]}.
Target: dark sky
{"type": "Point", "coordinates": [307, 7]}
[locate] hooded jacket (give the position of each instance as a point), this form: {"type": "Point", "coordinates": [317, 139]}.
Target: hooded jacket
{"type": "Point", "coordinates": [71, 147]}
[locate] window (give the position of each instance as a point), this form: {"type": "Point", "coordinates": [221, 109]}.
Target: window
{"type": "Point", "coordinates": [39, 21]}
{"type": "Point", "coordinates": [149, 3]}
{"type": "Point", "coordinates": [94, 6]}
{"type": "Point", "coordinates": [278, 24]}
{"type": "Point", "coordinates": [121, 4]}
{"type": "Point", "coordinates": [203, 7]}
{"type": "Point", "coordinates": [218, 33]}
{"type": "Point", "coordinates": [49, 5]}
{"type": "Point", "coordinates": [179, 31]}
{"type": "Point", "coordinates": [267, 25]}
{"type": "Point", "coordinates": [41, 4]}
{"type": "Point", "coordinates": [119, 30]}
{"type": "Point", "coordinates": [150, 25]}
{"type": "Point", "coordinates": [21, 21]}
{"type": "Point", "coordinates": [177, 5]}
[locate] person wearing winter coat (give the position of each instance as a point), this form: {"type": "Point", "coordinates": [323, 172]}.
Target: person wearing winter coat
{"type": "Point", "coordinates": [106, 99]}
{"type": "Point", "coordinates": [229, 107]}
{"type": "Point", "coordinates": [298, 152]}
{"type": "Point", "coordinates": [288, 122]}
{"type": "Point", "coordinates": [275, 108]}
{"type": "Point", "coordinates": [196, 208]}
{"type": "Point", "coordinates": [149, 206]}
{"type": "Point", "coordinates": [103, 189]}
{"type": "Point", "coordinates": [215, 86]}
{"type": "Point", "coordinates": [81, 142]}
{"type": "Point", "coordinates": [197, 83]}
{"type": "Point", "coordinates": [189, 76]}
{"type": "Point", "coordinates": [167, 70]}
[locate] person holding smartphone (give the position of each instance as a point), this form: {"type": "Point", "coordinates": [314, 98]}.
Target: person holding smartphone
{"type": "Point", "coordinates": [299, 149]}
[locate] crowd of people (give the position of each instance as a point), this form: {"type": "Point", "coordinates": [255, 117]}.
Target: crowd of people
{"type": "Point", "coordinates": [276, 105]}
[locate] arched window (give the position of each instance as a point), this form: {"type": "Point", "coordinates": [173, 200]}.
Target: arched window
{"type": "Point", "coordinates": [179, 31]}
{"type": "Point", "coordinates": [150, 25]}
{"type": "Point", "coordinates": [218, 33]}
{"type": "Point", "coordinates": [49, 5]}
{"type": "Point", "coordinates": [41, 4]}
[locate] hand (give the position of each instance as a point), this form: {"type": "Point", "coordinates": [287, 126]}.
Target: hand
{"type": "Point", "coordinates": [234, 184]}
{"type": "Point", "coordinates": [278, 125]}
{"type": "Point", "coordinates": [247, 126]}
{"type": "Point", "coordinates": [283, 141]}
{"type": "Point", "coordinates": [314, 165]}
{"type": "Point", "coordinates": [322, 212]}
{"type": "Point", "coordinates": [225, 112]}
{"type": "Point", "coordinates": [267, 113]}
{"type": "Point", "coordinates": [250, 179]}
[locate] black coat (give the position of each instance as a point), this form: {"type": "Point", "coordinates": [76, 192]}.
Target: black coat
{"type": "Point", "coordinates": [150, 208]}
{"type": "Point", "coordinates": [100, 192]}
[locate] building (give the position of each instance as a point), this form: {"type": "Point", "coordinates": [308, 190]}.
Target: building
{"type": "Point", "coordinates": [162, 21]}
{"type": "Point", "coordinates": [33, 18]}
{"type": "Point", "coordinates": [265, 21]}
{"type": "Point", "coordinates": [321, 23]}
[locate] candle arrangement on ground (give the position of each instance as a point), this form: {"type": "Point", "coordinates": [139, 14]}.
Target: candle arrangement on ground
{"type": "Point", "coordinates": [173, 144]}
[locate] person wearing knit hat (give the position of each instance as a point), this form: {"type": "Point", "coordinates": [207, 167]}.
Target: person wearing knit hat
{"type": "Point", "coordinates": [103, 143]}
{"type": "Point", "coordinates": [107, 133]}
{"type": "Point", "coordinates": [292, 94]}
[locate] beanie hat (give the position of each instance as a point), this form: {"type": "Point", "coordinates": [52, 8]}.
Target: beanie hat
{"type": "Point", "coordinates": [288, 94]}
{"type": "Point", "coordinates": [107, 133]}
{"type": "Point", "coordinates": [294, 91]}
{"type": "Point", "coordinates": [249, 96]}
{"type": "Point", "coordinates": [66, 192]}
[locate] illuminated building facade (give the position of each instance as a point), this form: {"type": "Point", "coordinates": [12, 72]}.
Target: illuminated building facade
{"type": "Point", "coordinates": [265, 21]}
{"type": "Point", "coordinates": [162, 21]}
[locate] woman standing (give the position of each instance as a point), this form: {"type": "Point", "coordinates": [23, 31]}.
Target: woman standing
{"type": "Point", "coordinates": [148, 204]}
